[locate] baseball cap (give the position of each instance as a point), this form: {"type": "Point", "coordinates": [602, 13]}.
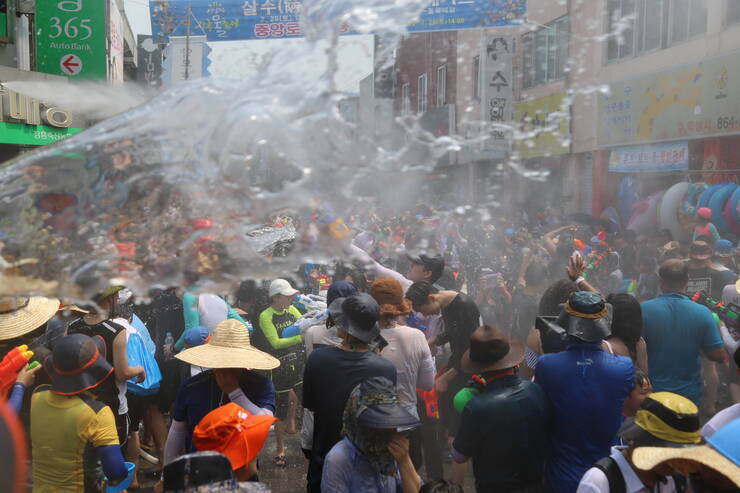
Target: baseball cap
{"type": "Point", "coordinates": [234, 432]}
{"type": "Point", "coordinates": [281, 286]}
{"type": "Point", "coordinates": [435, 265]}
{"type": "Point", "coordinates": [724, 248]}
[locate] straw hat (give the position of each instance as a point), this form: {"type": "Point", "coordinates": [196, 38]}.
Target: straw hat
{"type": "Point", "coordinates": [21, 315]}
{"type": "Point", "coordinates": [229, 347]}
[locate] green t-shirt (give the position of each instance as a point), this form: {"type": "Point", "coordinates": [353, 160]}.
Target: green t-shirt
{"type": "Point", "coordinates": [272, 324]}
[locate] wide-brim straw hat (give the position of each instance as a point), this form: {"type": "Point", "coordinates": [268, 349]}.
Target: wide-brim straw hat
{"type": "Point", "coordinates": [229, 347]}
{"type": "Point", "coordinates": [647, 458]}
{"type": "Point", "coordinates": [21, 315]}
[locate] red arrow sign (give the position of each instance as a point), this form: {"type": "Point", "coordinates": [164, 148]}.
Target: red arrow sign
{"type": "Point", "coordinates": [71, 64]}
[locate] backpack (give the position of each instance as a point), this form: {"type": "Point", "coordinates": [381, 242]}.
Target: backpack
{"type": "Point", "coordinates": [610, 468]}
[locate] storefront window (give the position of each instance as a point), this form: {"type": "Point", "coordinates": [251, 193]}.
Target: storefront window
{"type": "Point", "coordinates": [422, 94]}
{"type": "Point", "coordinates": [545, 53]}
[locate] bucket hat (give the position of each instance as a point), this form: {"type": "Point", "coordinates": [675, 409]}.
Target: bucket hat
{"type": "Point", "coordinates": [357, 315]}
{"type": "Point", "coordinates": [664, 419]}
{"type": "Point", "coordinates": [21, 315]}
{"type": "Point", "coordinates": [188, 473]}
{"type": "Point", "coordinates": [77, 363]}
{"type": "Point", "coordinates": [380, 407]}
{"type": "Point", "coordinates": [234, 432]}
{"type": "Point", "coordinates": [389, 295]}
{"type": "Point", "coordinates": [491, 350]}
{"type": "Point", "coordinates": [700, 250]}
{"type": "Point", "coordinates": [229, 347]}
{"type": "Point", "coordinates": [721, 453]}
{"type": "Point", "coordinates": [586, 316]}
{"type": "Point", "coordinates": [281, 286]}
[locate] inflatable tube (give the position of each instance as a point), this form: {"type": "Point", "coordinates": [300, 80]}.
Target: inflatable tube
{"type": "Point", "coordinates": [645, 223]}
{"type": "Point", "coordinates": [706, 196]}
{"type": "Point", "coordinates": [668, 211]}
{"type": "Point", "coordinates": [638, 209]}
{"type": "Point", "coordinates": [690, 203]}
{"type": "Point", "coordinates": [717, 204]}
{"type": "Point", "coordinates": [731, 209]}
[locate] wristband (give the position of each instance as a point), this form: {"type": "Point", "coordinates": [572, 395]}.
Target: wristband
{"type": "Point", "coordinates": [579, 280]}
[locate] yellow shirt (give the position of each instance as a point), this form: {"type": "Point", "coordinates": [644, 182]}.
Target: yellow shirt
{"type": "Point", "coordinates": [61, 427]}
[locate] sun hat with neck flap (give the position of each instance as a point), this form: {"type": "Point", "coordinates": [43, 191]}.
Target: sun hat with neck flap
{"type": "Point", "coordinates": [389, 295]}
{"type": "Point", "coordinates": [229, 347]}
{"type": "Point", "coordinates": [21, 315]}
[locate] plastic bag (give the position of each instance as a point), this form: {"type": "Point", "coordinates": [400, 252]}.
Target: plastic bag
{"type": "Point", "coordinates": [138, 355]}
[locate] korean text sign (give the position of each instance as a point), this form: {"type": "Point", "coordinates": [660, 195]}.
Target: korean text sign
{"type": "Point", "coordinates": [71, 38]}
{"type": "Point", "coordinates": [700, 99]}
{"type": "Point", "coordinates": [667, 156]}
{"type": "Point", "coordinates": [229, 20]}
{"type": "Point", "coordinates": [545, 123]}
{"type": "Point", "coordinates": [497, 77]}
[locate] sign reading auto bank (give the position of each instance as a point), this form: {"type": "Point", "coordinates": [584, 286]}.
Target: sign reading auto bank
{"type": "Point", "coordinates": [71, 38]}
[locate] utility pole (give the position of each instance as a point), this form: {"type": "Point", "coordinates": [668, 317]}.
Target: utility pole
{"type": "Point", "coordinates": [187, 43]}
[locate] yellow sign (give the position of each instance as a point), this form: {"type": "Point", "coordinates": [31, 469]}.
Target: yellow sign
{"type": "Point", "coordinates": [543, 126]}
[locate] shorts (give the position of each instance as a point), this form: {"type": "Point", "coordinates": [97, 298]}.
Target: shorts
{"type": "Point", "coordinates": [137, 406]}
{"type": "Point", "coordinates": [290, 372]}
{"type": "Point", "coordinates": [282, 401]}
{"type": "Point", "coordinates": [122, 427]}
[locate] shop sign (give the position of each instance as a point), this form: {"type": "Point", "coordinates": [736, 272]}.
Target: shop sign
{"type": "Point", "coordinates": [149, 69]}
{"type": "Point", "coordinates": [543, 126]}
{"type": "Point", "coordinates": [71, 38]}
{"type": "Point", "coordinates": [184, 59]}
{"type": "Point", "coordinates": [231, 20]}
{"type": "Point", "coordinates": [115, 53]}
{"type": "Point", "coordinates": [697, 100]}
{"type": "Point", "coordinates": [667, 156]}
{"type": "Point", "coordinates": [497, 75]}
{"type": "Point", "coordinates": [27, 121]}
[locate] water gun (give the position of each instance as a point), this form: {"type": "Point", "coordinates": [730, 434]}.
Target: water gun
{"type": "Point", "coordinates": [729, 314]}
{"type": "Point", "coordinates": [431, 402]}
{"type": "Point", "coordinates": [414, 322]}
{"type": "Point", "coordinates": [11, 364]}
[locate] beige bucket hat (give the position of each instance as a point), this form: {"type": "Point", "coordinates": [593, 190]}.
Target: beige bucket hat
{"type": "Point", "coordinates": [229, 347]}
{"type": "Point", "coordinates": [21, 315]}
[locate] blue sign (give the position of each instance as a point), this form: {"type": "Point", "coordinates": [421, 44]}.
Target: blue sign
{"type": "Point", "coordinates": [669, 156]}
{"type": "Point", "coordinates": [231, 20]}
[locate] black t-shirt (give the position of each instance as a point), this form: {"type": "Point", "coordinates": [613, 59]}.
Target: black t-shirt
{"type": "Point", "coordinates": [330, 376]}
{"type": "Point", "coordinates": [461, 318]}
{"type": "Point", "coordinates": [107, 392]}
{"type": "Point", "coordinates": [711, 281]}
{"type": "Point", "coordinates": [525, 309]}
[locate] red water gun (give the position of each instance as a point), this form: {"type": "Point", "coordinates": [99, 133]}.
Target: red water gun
{"type": "Point", "coordinates": [431, 402]}
{"type": "Point", "coordinates": [11, 364]}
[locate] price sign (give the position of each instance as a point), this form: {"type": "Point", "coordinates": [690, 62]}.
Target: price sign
{"type": "Point", "coordinates": [71, 38]}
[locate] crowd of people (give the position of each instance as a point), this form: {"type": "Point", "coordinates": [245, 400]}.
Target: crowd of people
{"type": "Point", "coordinates": [556, 355]}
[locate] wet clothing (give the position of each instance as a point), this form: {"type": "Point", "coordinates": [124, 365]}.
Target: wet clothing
{"type": "Point", "coordinates": [504, 431]}
{"type": "Point", "coordinates": [288, 350]}
{"type": "Point", "coordinates": [347, 470]}
{"type": "Point", "coordinates": [675, 330]}
{"type": "Point", "coordinates": [586, 388]}
{"type": "Point", "coordinates": [461, 318]}
{"type": "Point", "coordinates": [61, 428]}
{"type": "Point", "coordinates": [330, 376]}
{"type": "Point", "coordinates": [110, 392]}
{"type": "Point", "coordinates": [525, 313]}
{"type": "Point", "coordinates": [200, 395]}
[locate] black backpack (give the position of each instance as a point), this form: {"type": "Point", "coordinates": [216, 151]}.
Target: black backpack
{"type": "Point", "coordinates": [609, 467]}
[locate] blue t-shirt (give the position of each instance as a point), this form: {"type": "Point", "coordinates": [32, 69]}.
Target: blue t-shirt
{"type": "Point", "coordinates": [586, 388]}
{"type": "Point", "coordinates": [676, 328]}
{"type": "Point", "coordinates": [346, 469]}
{"type": "Point", "coordinates": [200, 394]}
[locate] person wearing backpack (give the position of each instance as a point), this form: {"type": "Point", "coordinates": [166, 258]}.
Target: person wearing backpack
{"type": "Point", "coordinates": [664, 419]}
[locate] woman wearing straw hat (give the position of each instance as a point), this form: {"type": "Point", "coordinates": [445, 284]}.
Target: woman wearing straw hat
{"type": "Point", "coordinates": [232, 378]}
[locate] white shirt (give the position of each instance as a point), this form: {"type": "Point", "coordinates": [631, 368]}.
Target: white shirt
{"type": "Point", "coordinates": [409, 352]}
{"type": "Point", "coordinates": [319, 334]}
{"type": "Point", "coordinates": [595, 481]}
{"type": "Point", "coordinates": [720, 419]}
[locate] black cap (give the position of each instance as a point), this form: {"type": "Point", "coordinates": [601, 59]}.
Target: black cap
{"type": "Point", "coordinates": [189, 472]}
{"type": "Point", "coordinates": [357, 315]}
{"type": "Point", "coordinates": [436, 264]}
{"type": "Point", "coordinates": [77, 364]}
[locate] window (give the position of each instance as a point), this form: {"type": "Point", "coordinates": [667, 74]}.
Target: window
{"type": "Point", "coordinates": [545, 53]}
{"type": "Point", "coordinates": [733, 11]}
{"type": "Point", "coordinates": [441, 86]}
{"type": "Point", "coordinates": [476, 78]}
{"type": "Point", "coordinates": [406, 98]}
{"type": "Point", "coordinates": [639, 26]}
{"type": "Point", "coordinates": [422, 95]}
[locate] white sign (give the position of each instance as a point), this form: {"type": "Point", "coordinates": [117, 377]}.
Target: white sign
{"type": "Point", "coordinates": [70, 64]}
{"type": "Point", "coordinates": [497, 74]}
{"type": "Point", "coordinates": [115, 52]}
{"type": "Point", "coordinates": [185, 58]}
